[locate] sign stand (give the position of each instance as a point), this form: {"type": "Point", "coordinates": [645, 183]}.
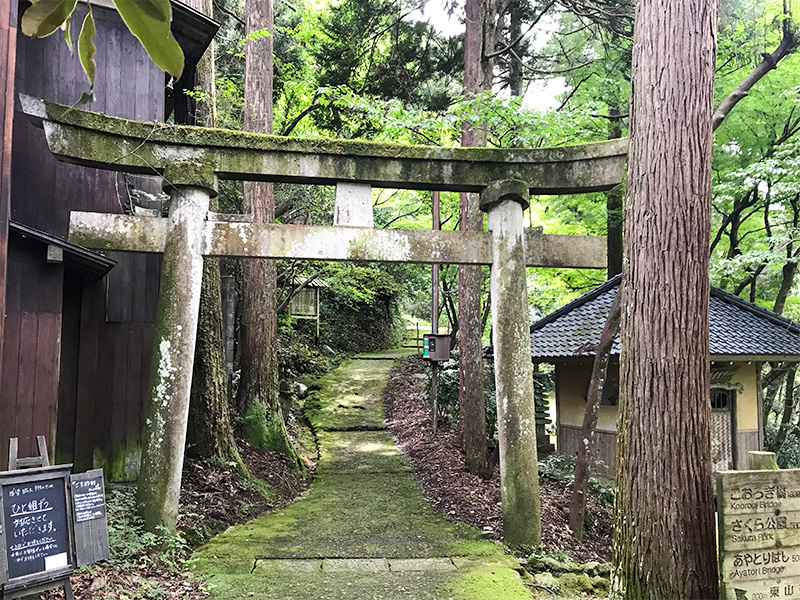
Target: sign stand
{"type": "Point", "coordinates": [15, 463]}
{"type": "Point", "coordinates": [62, 580]}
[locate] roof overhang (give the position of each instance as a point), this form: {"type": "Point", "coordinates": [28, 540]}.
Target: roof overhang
{"type": "Point", "coordinates": [76, 259]}
{"type": "Point", "coordinates": [193, 30]}
{"type": "Point", "coordinates": [578, 358]}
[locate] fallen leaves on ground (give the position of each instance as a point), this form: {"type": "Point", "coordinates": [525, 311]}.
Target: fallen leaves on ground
{"type": "Point", "coordinates": [438, 461]}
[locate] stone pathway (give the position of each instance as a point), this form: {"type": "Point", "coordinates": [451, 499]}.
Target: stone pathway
{"type": "Point", "coordinates": [363, 531]}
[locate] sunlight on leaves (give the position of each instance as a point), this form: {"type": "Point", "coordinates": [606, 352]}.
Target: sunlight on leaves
{"type": "Point", "coordinates": [86, 47]}
{"type": "Point", "coordinates": [45, 16]}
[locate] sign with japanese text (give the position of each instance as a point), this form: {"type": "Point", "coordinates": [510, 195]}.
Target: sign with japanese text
{"type": "Point", "coordinates": [88, 497]}
{"type": "Point", "coordinates": [759, 534]}
{"type": "Point", "coordinates": [35, 530]}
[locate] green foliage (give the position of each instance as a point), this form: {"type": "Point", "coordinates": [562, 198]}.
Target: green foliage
{"type": "Point", "coordinates": [562, 467]}
{"type": "Point", "coordinates": [86, 47]}
{"type": "Point", "coordinates": [148, 20]}
{"type": "Point", "coordinates": [44, 17]}
{"type": "Point", "coordinates": [368, 47]}
{"type": "Point", "coordinates": [130, 545]}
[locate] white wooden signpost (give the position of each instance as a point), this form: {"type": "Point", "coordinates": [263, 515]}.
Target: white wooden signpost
{"type": "Point", "coordinates": [759, 534]}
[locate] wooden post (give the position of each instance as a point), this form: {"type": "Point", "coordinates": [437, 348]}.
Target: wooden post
{"type": "Point", "coordinates": [164, 436]}
{"type": "Point", "coordinates": [504, 202]}
{"type": "Point", "coordinates": [761, 461]}
{"type": "Point", "coordinates": [8, 48]}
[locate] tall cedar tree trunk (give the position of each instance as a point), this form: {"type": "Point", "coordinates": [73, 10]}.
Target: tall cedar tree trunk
{"type": "Point", "coordinates": [209, 434]}
{"type": "Point", "coordinates": [614, 206]}
{"type": "Point", "coordinates": [259, 406]}
{"type": "Point", "coordinates": [584, 461]}
{"type": "Point", "coordinates": [472, 409]}
{"type": "Point", "coordinates": [664, 535]}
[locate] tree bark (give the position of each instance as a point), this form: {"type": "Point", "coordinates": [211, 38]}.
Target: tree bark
{"type": "Point", "coordinates": [789, 269]}
{"type": "Point", "coordinates": [209, 434]}
{"type": "Point", "coordinates": [583, 464]}
{"type": "Point", "coordinates": [263, 420]}
{"type": "Point", "coordinates": [614, 207]}
{"type": "Point", "coordinates": [472, 406]}
{"type": "Point", "coordinates": [664, 535]}
{"type": "Point", "coordinates": [774, 445]}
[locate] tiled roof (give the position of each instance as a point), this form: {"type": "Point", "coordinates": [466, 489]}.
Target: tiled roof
{"type": "Point", "coordinates": [738, 327]}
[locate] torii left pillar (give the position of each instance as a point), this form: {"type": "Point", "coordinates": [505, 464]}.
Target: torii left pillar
{"type": "Point", "coordinates": [191, 186]}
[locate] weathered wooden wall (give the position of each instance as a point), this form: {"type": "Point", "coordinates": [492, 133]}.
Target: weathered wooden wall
{"type": "Point", "coordinates": [29, 382]}
{"type": "Point", "coordinates": [568, 441]}
{"type": "Point", "coordinates": [8, 47]}
{"type": "Point", "coordinates": [102, 392]}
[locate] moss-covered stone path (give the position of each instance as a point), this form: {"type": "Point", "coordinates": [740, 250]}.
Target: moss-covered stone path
{"type": "Point", "coordinates": [363, 531]}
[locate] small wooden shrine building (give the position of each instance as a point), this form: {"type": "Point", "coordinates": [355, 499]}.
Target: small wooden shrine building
{"type": "Point", "coordinates": [78, 327]}
{"type": "Point", "coordinates": [304, 303]}
{"type": "Point", "coordinates": [743, 336]}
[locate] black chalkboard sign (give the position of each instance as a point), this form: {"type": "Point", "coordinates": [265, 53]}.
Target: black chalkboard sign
{"type": "Point", "coordinates": [35, 532]}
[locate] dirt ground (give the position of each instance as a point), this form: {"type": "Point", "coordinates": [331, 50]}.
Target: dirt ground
{"type": "Point", "coordinates": [438, 462]}
{"type": "Point", "coordinates": [212, 499]}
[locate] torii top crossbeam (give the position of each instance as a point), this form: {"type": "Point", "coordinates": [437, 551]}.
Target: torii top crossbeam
{"type": "Point", "coordinates": [100, 141]}
{"type": "Point", "coordinates": [105, 142]}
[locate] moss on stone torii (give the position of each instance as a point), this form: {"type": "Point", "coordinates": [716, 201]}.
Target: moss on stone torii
{"type": "Point", "coordinates": [105, 142]}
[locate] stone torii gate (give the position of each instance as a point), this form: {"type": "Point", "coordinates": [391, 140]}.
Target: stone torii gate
{"type": "Point", "coordinates": [191, 159]}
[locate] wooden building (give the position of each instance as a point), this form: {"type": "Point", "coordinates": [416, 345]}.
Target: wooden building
{"type": "Point", "coordinates": [78, 325]}
{"type": "Point", "coordinates": [743, 336]}
{"type": "Point", "coordinates": [304, 303]}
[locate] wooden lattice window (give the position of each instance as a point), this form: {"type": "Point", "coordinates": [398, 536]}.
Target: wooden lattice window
{"type": "Point", "coordinates": [722, 399]}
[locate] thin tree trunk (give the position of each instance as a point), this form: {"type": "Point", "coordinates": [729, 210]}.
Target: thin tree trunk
{"type": "Point", "coordinates": [263, 420]}
{"type": "Point", "coordinates": [515, 81]}
{"type": "Point", "coordinates": [787, 45]}
{"type": "Point", "coordinates": [789, 269]}
{"type": "Point", "coordinates": [775, 444]}
{"type": "Point", "coordinates": [209, 433]}
{"type": "Point", "coordinates": [583, 465]}
{"type": "Point", "coordinates": [472, 411]}
{"type": "Point", "coordinates": [664, 544]}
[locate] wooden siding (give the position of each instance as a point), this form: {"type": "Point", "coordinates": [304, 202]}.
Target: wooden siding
{"type": "Point", "coordinates": [8, 48]}
{"type": "Point", "coordinates": [114, 366]}
{"type": "Point", "coordinates": [95, 379]}
{"type": "Point", "coordinates": [29, 379]}
{"type": "Point", "coordinates": [568, 441]}
{"type": "Point", "coordinates": [746, 440]}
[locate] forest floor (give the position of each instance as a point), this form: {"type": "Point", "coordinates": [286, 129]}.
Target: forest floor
{"type": "Point", "coordinates": [438, 463]}
{"type": "Point", "coordinates": [364, 529]}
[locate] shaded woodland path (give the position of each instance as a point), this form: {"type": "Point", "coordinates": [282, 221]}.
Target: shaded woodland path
{"type": "Point", "coordinates": [363, 530]}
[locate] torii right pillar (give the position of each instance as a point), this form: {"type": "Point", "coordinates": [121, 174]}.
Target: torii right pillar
{"type": "Point", "coordinates": [504, 202]}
